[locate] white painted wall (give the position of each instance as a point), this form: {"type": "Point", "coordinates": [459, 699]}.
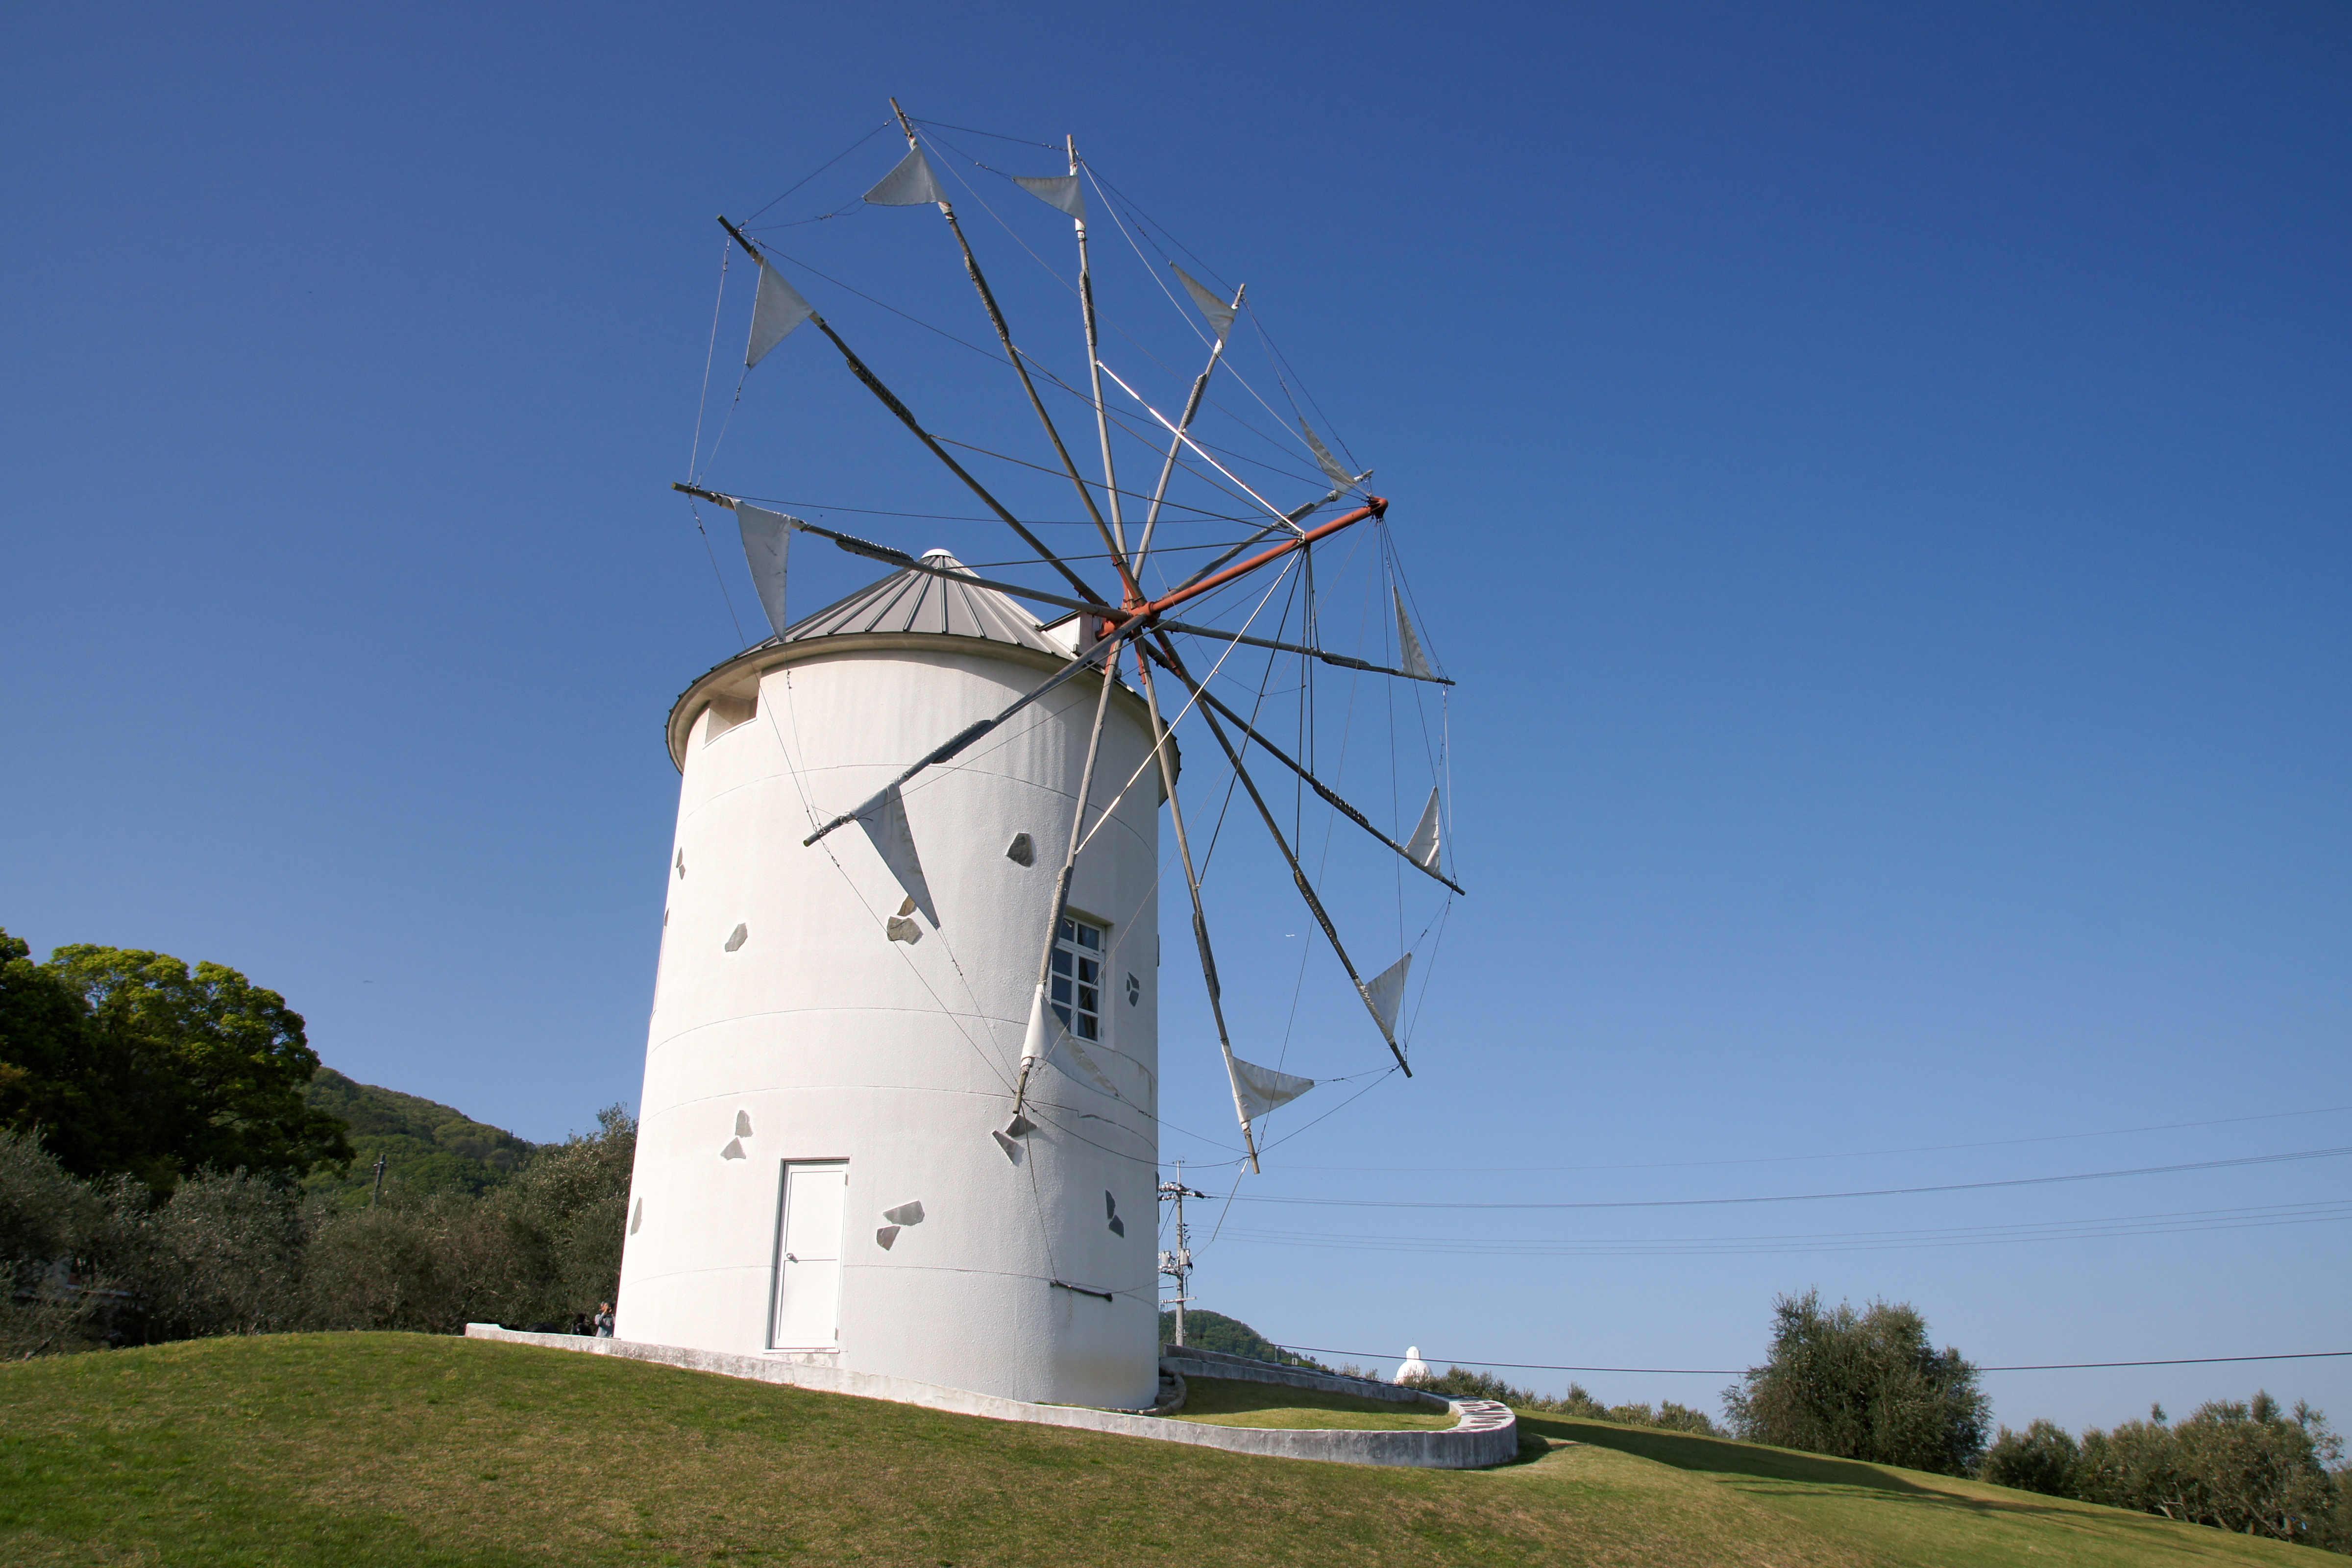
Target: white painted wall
{"type": "Point", "coordinates": [838, 1043]}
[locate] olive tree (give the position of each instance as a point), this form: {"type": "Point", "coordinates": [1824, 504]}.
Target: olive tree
{"type": "Point", "coordinates": [1862, 1385]}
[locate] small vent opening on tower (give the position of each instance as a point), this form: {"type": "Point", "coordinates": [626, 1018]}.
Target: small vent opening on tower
{"type": "Point", "coordinates": [725, 712]}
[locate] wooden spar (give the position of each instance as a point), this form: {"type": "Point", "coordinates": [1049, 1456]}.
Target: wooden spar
{"type": "Point", "coordinates": [905, 562]}
{"type": "Point", "coordinates": [906, 417]}
{"type": "Point", "coordinates": [1021, 368]}
{"type": "Point", "coordinates": [1297, 873]}
{"type": "Point", "coordinates": [1123, 618]}
{"type": "Point", "coordinates": [1294, 515]}
{"type": "Point", "coordinates": [1345, 661]}
{"type": "Point", "coordinates": [1197, 450]}
{"type": "Point", "coordinates": [1192, 882]}
{"type": "Point", "coordinates": [1102, 416]}
{"type": "Point", "coordinates": [1062, 881]}
{"type": "Point", "coordinates": [1209, 699]}
{"type": "Point", "coordinates": [1192, 407]}
{"type": "Point", "coordinates": [1376, 506]}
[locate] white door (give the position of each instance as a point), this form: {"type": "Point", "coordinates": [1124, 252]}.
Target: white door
{"type": "Point", "coordinates": [808, 1257]}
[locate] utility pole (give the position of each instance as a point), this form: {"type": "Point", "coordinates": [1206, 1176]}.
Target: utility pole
{"type": "Point", "coordinates": [379, 1181]}
{"type": "Point", "coordinates": [1179, 1263]}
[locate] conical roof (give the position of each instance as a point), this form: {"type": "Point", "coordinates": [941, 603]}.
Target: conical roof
{"type": "Point", "coordinates": [909, 601]}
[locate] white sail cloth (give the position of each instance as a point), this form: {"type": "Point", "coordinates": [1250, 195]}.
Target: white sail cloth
{"type": "Point", "coordinates": [776, 309]}
{"type": "Point", "coordinates": [1412, 659]}
{"type": "Point", "coordinates": [1057, 190]}
{"type": "Point", "coordinates": [767, 541]}
{"type": "Point", "coordinates": [884, 817]}
{"type": "Point", "coordinates": [1220, 313]}
{"type": "Point", "coordinates": [1260, 1089]}
{"type": "Point", "coordinates": [1090, 1064]}
{"type": "Point", "coordinates": [911, 184]}
{"type": "Point", "coordinates": [1385, 993]}
{"type": "Point", "coordinates": [1422, 846]}
{"type": "Point", "coordinates": [1325, 460]}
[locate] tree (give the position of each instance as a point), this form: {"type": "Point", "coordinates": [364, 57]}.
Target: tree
{"type": "Point", "coordinates": [2252, 1468]}
{"type": "Point", "coordinates": [575, 1194]}
{"type": "Point", "coordinates": [1865, 1385]}
{"type": "Point", "coordinates": [2041, 1459]}
{"type": "Point", "coordinates": [172, 1071]}
{"type": "Point", "coordinates": [44, 1043]}
{"type": "Point", "coordinates": [46, 1219]}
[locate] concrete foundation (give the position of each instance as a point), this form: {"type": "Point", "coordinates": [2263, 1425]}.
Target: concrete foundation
{"type": "Point", "coordinates": [1484, 1433]}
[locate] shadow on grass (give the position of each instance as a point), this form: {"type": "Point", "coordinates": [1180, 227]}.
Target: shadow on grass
{"type": "Point", "coordinates": [1685, 1451]}
{"type": "Point", "coordinates": [1745, 1465]}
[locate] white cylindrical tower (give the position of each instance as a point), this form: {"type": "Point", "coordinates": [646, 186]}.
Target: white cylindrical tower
{"type": "Point", "coordinates": [837, 1029]}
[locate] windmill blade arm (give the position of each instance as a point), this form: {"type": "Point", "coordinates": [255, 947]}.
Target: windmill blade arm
{"type": "Point", "coordinates": [1343, 661]}
{"type": "Point", "coordinates": [1293, 516]}
{"type": "Point", "coordinates": [1297, 873]}
{"type": "Point", "coordinates": [1192, 884]}
{"type": "Point", "coordinates": [963, 738]}
{"type": "Point", "coordinates": [1021, 369]}
{"type": "Point", "coordinates": [905, 562]}
{"type": "Point", "coordinates": [1282, 517]}
{"type": "Point", "coordinates": [906, 417]}
{"type": "Point", "coordinates": [1208, 699]}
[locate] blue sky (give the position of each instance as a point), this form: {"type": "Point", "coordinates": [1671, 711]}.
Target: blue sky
{"type": "Point", "coordinates": [1877, 472]}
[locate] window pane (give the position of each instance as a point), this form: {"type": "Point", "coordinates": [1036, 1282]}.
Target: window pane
{"type": "Point", "coordinates": [1090, 972]}
{"type": "Point", "coordinates": [1086, 1027]}
{"type": "Point", "coordinates": [1089, 936]}
{"type": "Point", "coordinates": [1064, 1014]}
{"type": "Point", "coordinates": [1061, 960]}
{"type": "Point", "coordinates": [1089, 998]}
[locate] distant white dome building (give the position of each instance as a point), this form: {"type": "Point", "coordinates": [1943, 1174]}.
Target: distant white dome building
{"type": "Point", "coordinates": [837, 1029]}
{"type": "Point", "coordinates": [1413, 1365]}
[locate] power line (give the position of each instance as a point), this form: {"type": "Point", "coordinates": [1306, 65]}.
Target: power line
{"type": "Point", "coordinates": [1792, 1159]}
{"type": "Point", "coordinates": [1742, 1371]}
{"type": "Point", "coordinates": [1807, 1197]}
{"type": "Point", "coordinates": [2173, 1223]}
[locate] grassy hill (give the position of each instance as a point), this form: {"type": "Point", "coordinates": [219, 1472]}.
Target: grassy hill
{"type": "Point", "coordinates": [427, 1147]}
{"type": "Point", "coordinates": [401, 1449]}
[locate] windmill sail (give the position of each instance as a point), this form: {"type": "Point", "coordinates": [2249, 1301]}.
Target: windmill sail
{"type": "Point", "coordinates": [1421, 848]}
{"type": "Point", "coordinates": [1410, 660]}
{"type": "Point", "coordinates": [885, 820]}
{"type": "Point", "coordinates": [1260, 1090]}
{"type": "Point", "coordinates": [1055, 190]}
{"type": "Point", "coordinates": [911, 184]}
{"type": "Point", "coordinates": [767, 540]}
{"type": "Point", "coordinates": [1072, 1058]}
{"type": "Point", "coordinates": [1220, 313]}
{"type": "Point", "coordinates": [775, 311]}
{"type": "Point", "coordinates": [1325, 460]}
{"type": "Point", "coordinates": [1385, 993]}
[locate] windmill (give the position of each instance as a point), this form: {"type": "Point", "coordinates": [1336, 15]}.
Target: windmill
{"type": "Point", "coordinates": [902, 1093]}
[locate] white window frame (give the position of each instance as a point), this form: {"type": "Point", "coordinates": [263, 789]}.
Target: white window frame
{"type": "Point", "coordinates": [1068, 986]}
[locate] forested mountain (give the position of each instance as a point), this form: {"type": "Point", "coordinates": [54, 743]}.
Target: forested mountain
{"type": "Point", "coordinates": [427, 1147]}
{"type": "Point", "coordinates": [1215, 1332]}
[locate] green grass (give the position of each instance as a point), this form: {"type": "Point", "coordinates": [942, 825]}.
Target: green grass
{"type": "Point", "coordinates": [1229, 1402]}
{"type": "Point", "coordinates": [393, 1450]}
